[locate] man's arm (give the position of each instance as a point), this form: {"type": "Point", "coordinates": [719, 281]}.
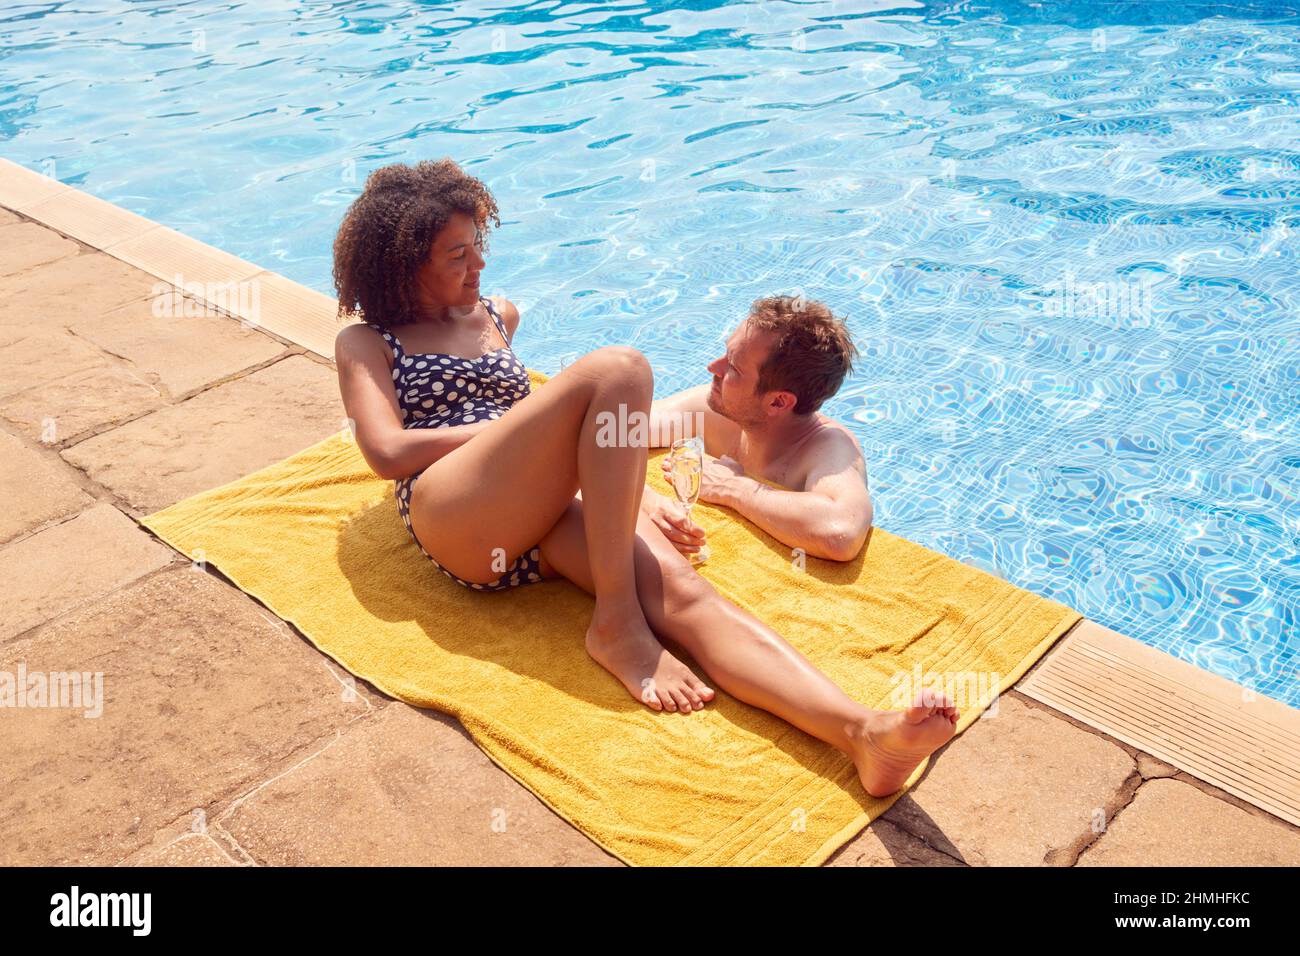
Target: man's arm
{"type": "Point", "coordinates": [687, 414]}
{"type": "Point", "coordinates": [829, 518]}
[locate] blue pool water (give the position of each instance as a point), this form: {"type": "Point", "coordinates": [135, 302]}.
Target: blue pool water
{"type": "Point", "coordinates": [1063, 233]}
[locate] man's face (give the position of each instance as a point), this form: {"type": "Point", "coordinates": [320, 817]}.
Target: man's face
{"type": "Point", "coordinates": [735, 376]}
{"type": "Point", "coordinates": [450, 276]}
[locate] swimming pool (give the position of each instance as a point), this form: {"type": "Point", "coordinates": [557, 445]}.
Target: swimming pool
{"type": "Point", "coordinates": [1063, 234]}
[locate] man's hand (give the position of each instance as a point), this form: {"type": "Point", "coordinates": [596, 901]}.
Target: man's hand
{"type": "Point", "coordinates": [717, 471]}
{"type": "Point", "coordinates": [670, 517]}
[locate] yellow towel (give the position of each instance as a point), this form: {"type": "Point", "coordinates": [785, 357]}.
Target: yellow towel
{"type": "Point", "coordinates": [317, 538]}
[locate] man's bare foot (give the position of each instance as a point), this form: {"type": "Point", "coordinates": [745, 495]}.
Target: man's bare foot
{"type": "Point", "coordinates": [890, 743]}
{"type": "Point", "coordinates": [629, 651]}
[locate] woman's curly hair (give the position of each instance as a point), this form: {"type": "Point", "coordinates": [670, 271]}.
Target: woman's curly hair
{"type": "Point", "coordinates": [387, 232]}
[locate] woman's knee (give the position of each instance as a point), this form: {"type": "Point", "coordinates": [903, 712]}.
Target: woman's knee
{"type": "Point", "coordinates": [622, 366]}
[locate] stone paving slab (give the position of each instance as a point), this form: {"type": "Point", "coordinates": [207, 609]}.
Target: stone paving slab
{"type": "Point", "coordinates": [1172, 823]}
{"type": "Point", "coordinates": [34, 487]}
{"type": "Point", "coordinates": [59, 293]}
{"type": "Point", "coordinates": [158, 337]}
{"type": "Point", "coordinates": [410, 788]}
{"type": "Point", "coordinates": [71, 564]}
{"type": "Point", "coordinates": [203, 698]}
{"type": "Point", "coordinates": [58, 387]}
{"type": "Point", "coordinates": [215, 437]}
{"type": "Point", "coordinates": [32, 354]}
{"type": "Point", "coordinates": [173, 256]}
{"type": "Point", "coordinates": [27, 245]}
{"type": "Point", "coordinates": [1019, 788]}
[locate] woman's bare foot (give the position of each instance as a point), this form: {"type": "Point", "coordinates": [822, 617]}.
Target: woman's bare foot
{"type": "Point", "coordinates": [890, 743]}
{"type": "Point", "coordinates": [628, 650]}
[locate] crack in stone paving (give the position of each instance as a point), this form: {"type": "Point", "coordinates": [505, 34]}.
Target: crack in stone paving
{"type": "Point", "coordinates": [229, 841]}
{"type": "Point", "coordinates": [183, 829]}
{"type": "Point", "coordinates": [100, 493]}
{"type": "Point", "coordinates": [169, 400]}
{"type": "Point", "coordinates": [76, 609]}
{"type": "Point", "coordinates": [239, 801]}
{"type": "Point", "coordinates": [119, 362]}
{"type": "Point", "coordinates": [130, 367]}
{"type": "Point", "coordinates": [1126, 793]}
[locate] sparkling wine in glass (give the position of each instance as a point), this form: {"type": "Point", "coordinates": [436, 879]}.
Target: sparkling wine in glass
{"type": "Point", "coordinates": [686, 468]}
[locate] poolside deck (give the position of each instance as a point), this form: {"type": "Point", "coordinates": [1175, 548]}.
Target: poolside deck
{"type": "Point", "coordinates": [232, 741]}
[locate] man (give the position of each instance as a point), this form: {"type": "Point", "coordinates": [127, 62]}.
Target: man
{"type": "Point", "coordinates": [760, 420]}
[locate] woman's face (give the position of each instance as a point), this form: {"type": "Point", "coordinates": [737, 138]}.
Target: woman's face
{"type": "Point", "coordinates": [449, 278]}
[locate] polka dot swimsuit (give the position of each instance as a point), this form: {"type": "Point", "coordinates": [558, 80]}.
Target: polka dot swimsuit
{"type": "Point", "coordinates": [435, 389]}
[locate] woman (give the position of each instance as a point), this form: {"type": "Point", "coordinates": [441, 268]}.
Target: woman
{"type": "Point", "coordinates": [502, 487]}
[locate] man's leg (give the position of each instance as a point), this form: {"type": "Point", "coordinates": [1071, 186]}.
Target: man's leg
{"type": "Point", "coordinates": [753, 663]}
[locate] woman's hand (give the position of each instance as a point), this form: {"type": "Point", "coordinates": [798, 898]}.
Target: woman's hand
{"type": "Point", "coordinates": [670, 517]}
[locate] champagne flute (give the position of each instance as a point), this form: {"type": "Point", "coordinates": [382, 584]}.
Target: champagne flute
{"type": "Point", "coordinates": [686, 469]}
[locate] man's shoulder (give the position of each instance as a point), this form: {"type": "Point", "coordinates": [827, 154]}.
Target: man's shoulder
{"type": "Point", "coordinates": [841, 432]}
{"type": "Point", "coordinates": [835, 435]}
{"type": "Point", "coordinates": [832, 448]}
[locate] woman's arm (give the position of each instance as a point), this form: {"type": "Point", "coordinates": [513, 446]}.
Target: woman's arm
{"type": "Point", "coordinates": [509, 313]}
{"type": "Point", "coordinates": [366, 385]}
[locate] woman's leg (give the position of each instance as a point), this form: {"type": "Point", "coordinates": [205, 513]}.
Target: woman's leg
{"type": "Point", "coordinates": [752, 662]}
{"type": "Point", "coordinates": [494, 497]}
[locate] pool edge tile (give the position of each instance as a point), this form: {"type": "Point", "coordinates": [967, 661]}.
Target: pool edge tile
{"type": "Point", "coordinates": [1217, 731]}
{"type": "Point", "coordinates": [22, 188]}
{"type": "Point", "coordinates": [292, 311]}
{"type": "Point", "coordinates": [295, 312]}
{"type": "Point", "coordinates": [88, 218]}
{"type": "Point", "coordinates": [180, 260]}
